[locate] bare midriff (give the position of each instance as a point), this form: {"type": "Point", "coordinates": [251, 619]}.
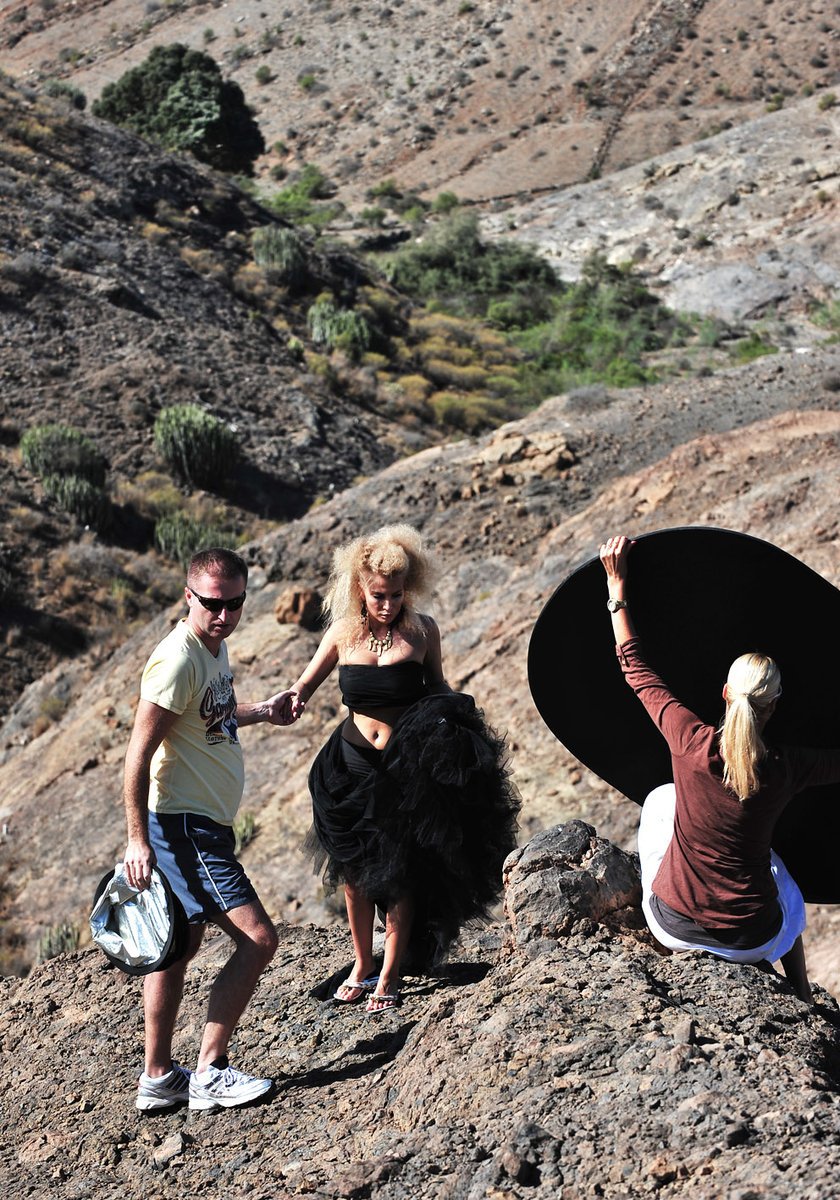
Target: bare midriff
{"type": "Point", "coordinates": [372, 728]}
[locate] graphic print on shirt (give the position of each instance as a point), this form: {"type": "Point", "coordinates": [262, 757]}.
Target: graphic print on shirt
{"type": "Point", "coordinates": [218, 711]}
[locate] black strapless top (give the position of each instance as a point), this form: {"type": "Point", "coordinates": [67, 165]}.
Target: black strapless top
{"type": "Point", "coordinates": [390, 686]}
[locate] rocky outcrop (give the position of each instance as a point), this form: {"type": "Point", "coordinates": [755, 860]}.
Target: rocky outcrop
{"type": "Point", "coordinates": [579, 1064]}
{"type": "Point", "coordinates": [566, 875]}
{"type": "Point", "coordinates": [735, 226]}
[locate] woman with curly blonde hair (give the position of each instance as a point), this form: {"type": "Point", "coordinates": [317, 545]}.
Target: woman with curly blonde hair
{"type": "Point", "coordinates": [412, 807]}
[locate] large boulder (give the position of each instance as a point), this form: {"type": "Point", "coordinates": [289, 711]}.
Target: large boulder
{"type": "Point", "coordinates": [567, 875]}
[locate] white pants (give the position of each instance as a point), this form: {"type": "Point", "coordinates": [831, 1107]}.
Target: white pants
{"type": "Point", "coordinates": [656, 828]}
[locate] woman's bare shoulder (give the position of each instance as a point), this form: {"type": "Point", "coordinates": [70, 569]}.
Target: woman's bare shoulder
{"type": "Point", "coordinates": [427, 624]}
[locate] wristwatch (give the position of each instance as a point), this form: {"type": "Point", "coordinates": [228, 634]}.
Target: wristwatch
{"type": "Point", "coordinates": [615, 605]}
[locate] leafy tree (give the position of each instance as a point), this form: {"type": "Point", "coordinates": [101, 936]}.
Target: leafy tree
{"type": "Point", "coordinates": [177, 97]}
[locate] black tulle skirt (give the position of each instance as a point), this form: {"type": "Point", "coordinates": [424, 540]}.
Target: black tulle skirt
{"type": "Point", "coordinates": [433, 816]}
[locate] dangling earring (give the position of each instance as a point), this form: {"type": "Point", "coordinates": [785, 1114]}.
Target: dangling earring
{"type": "Point", "coordinates": [364, 614]}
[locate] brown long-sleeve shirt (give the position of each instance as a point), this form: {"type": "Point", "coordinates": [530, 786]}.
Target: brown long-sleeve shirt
{"type": "Point", "coordinates": [717, 868]}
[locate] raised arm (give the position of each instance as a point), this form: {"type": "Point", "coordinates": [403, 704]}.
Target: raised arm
{"type": "Point", "coordinates": [614, 553]}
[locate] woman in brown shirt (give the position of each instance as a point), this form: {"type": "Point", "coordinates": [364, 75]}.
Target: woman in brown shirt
{"type": "Point", "coordinates": [710, 879]}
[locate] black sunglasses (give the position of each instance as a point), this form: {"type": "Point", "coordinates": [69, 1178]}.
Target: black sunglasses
{"type": "Point", "coordinates": [215, 606]}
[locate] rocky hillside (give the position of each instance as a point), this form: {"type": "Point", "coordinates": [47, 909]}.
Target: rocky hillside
{"type": "Point", "coordinates": [482, 98]}
{"type": "Point", "coordinates": [737, 226]}
{"type": "Point", "coordinates": [557, 1055]}
{"type": "Point", "coordinates": [128, 283]}
{"type": "Point", "coordinates": [509, 514]}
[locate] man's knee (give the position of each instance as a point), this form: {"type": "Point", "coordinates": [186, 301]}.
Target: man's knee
{"type": "Point", "coordinates": [268, 942]}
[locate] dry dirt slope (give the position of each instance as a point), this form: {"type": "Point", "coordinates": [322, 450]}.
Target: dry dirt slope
{"type": "Point", "coordinates": [483, 98]}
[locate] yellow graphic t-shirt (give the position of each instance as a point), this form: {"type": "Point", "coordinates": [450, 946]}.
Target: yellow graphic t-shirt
{"type": "Point", "coordinates": [198, 767]}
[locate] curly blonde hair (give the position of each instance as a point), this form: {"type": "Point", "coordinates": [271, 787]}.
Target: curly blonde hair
{"type": "Point", "coordinates": [391, 550]}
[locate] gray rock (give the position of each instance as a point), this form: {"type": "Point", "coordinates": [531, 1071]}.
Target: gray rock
{"type": "Point", "coordinates": [563, 876]}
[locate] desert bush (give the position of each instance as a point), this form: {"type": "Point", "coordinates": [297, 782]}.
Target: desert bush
{"type": "Point", "coordinates": [58, 89]}
{"type": "Point", "coordinates": [58, 939]}
{"type": "Point", "coordinates": [605, 324]}
{"type": "Point", "coordinates": [197, 446]}
{"type": "Point", "coordinates": [749, 348]}
{"type": "Point", "coordinates": [299, 201]}
{"type": "Point", "coordinates": [465, 274]}
{"type": "Point", "coordinates": [469, 414]}
{"type": "Point", "coordinates": [501, 386]}
{"type": "Point", "coordinates": [177, 97]}
{"type": "Point", "coordinates": [827, 316]}
{"type": "Point", "coordinates": [60, 450]}
{"type": "Point", "coordinates": [374, 215]}
{"type": "Point", "coordinates": [282, 253]}
{"type": "Point", "coordinates": [244, 831]}
{"type": "Point", "coordinates": [338, 328]}
{"type": "Point", "coordinates": [386, 189]}
{"type": "Point", "coordinates": [445, 202]}
{"type": "Point", "coordinates": [453, 375]}
{"type": "Point", "coordinates": [179, 536]}
{"type": "Point", "coordinates": [79, 497]}
{"type": "Point", "coordinates": [415, 389]}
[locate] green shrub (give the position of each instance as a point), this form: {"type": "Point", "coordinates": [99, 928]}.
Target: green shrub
{"type": "Point", "coordinates": [445, 202]}
{"type": "Point", "coordinates": [470, 414]}
{"type": "Point", "coordinates": [60, 450]}
{"type": "Point", "coordinates": [604, 324]}
{"type": "Point", "coordinates": [177, 97]}
{"type": "Point", "coordinates": [338, 328]}
{"type": "Point", "coordinates": [374, 215]}
{"type": "Point", "coordinates": [827, 316]}
{"type": "Point", "coordinates": [298, 201]}
{"type": "Point", "coordinates": [464, 274]}
{"type": "Point", "coordinates": [179, 537]}
{"type": "Point", "coordinates": [282, 253]}
{"type": "Point", "coordinates": [749, 348]}
{"type": "Point", "coordinates": [448, 374]}
{"type": "Point", "coordinates": [244, 831]}
{"type": "Point", "coordinates": [386, 189]}
{"type": "Point", "coordinates": [263, 74]}
{"type": "Point", "coordinates": [197, 446]}
{"type": "Point", "coordinates": [58, 939]}
{"type": "Point", "coordinates": [60, 90]}
{"type": "Point", "coordinates": [83, 499]}
{"type": "Point", "coordinates": [827, 101]}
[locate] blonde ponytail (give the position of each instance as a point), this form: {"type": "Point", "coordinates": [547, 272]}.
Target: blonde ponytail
{"type": "Point", "coordinates": [752, 687]}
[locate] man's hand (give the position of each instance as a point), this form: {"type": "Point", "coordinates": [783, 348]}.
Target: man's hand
{"type": "Point", "coordinates": [285, 707]}
{"type": "Point", "coordinates": [139, 858]}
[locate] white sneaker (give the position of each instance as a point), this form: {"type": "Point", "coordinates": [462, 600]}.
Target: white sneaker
{"type": "Point", "coordinates": [224, 1087]}
{"type": "Point", "coordinates": [163, 1091]}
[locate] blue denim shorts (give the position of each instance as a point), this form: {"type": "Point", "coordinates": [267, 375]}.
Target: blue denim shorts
{"type": "Point", "coordinates": [196, 855]}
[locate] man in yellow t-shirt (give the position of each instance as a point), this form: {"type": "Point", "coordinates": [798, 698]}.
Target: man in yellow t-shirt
{"type": "Point", "coordinates": [183, 785]}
